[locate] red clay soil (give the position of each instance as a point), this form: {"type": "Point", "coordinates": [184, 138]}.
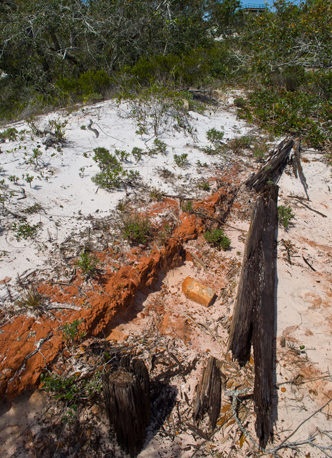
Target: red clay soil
{"type": "Point", "coordinates": [22, 361]}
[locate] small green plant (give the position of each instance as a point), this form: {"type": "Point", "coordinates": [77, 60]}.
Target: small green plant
{"type": "Point", "coordinates": [31, 299]}
{"type": "Point", "coordinates": [28, 178]}
{"type": "Point", "coordinates": [136, 229]}
{"type": "Point", "coordinates": [260, 149]}
{"type": "Point", "coordinates": [112, 174]}
{"type": "Point", "coordinates": [159, 148]}
{"type": "Point", "coordinates": [87, 263]}
{"type": "Point", "coordinates": [10, 134]}
{"type": "Point", "coordinates": [33, 209]}
{"type": "Point", "coordinates": [70, 331]}
{"type": "Point", "coordinates": [214, 135]}
{"type": "Point", "coordinates": [83, 127]}
{"type": "Point", "coordinates": [285, 215]}
{"type": "Point", "coordinates": [58, 128]}
{"type": "Point", "coordinates": [121, 206]}
{"type": "Point", "coordinates": [217, 238]}
{"type": "Point", "coordinates": [239, 143]}
{"type": "Point", "coordinates": [13, 178]}
{"type": "Point", "coordinates": [137, 153]}
{"type": "Point", "coordinates": [187, 206]}
{"type": "Point", "coordinates": [24, 230]}
{"type": "Point", "coordinates": [181, 160]}
{"type": "Point", "coordinates": [204, 186]}
{"type": "Point", "coordinates": [156, 194]}
{"type": "Point", "coordinates": [240, 102]}
{"type": "Point", "coordinates": [200, 164]}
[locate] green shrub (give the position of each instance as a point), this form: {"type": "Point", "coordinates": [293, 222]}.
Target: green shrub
{"type": "Point", "coordinates": [204, 186]}
{"type": "Point", "coordinates": [87, 263]}
{"type": "Point", "coordinates": [181, 160]}
{"type": "Point", "coordinates": [10, 133]}
{"type": "Point", "coordinates": [217, 238]}
{"type": "Point", "coordinates": [240, 102]}
{"type": "Point", "coordinates": [285, 215]}
{"type": "Point", "coordinates": [187, 206]}
{"type": "Point", "coordinates": [136, 229]}
{"type": "Point", "coordinates": [25, 230]}
{"type": "Point", "coordinates": [239, 143]}
{"type": "Point", "coordinates": [112, 174]}
{"type": "Point", "coordinates": [71, 331]}
{"type": "Point", "coordinates": [214, 136]}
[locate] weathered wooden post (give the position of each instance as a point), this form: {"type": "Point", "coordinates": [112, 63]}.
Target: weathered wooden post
{"type": "Point", "coordinates": [127, 400]}
{"type": "Point", "coordinates": [208, 398]}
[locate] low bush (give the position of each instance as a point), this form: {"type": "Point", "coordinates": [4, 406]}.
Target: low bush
{"type": "Point", "coordinates": [217, 238]}
{"type": "Point", "coordinates": [136, 229]}
{"type": "Point", "coordinates": [285, 215]}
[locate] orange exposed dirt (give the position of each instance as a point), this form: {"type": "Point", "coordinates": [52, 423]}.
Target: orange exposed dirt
{"type": "Point", "coordinates": [29, 345]}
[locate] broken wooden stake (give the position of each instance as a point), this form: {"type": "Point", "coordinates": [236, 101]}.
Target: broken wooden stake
{"type": "Point", "coordinates": [127, 400]}
{"type": "Point", "coordinates": [254, 312]}
{"type": "Point", "coordinates": [208, 398]}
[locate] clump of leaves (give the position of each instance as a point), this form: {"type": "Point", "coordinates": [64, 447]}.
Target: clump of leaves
{"type": "Point", "coordinates": [204, 186]}
{"type": "Point", "coordinates": [31, 299]}
{"type": "Point", "coordinates": [181, 160]}
{"type": "Point", "coordinates": [187, 206]}
{"type": "Point", "coordinates": [238, 144]}
{"type": "Point", "coordinates": [136, 229]}
{"type": "Point", "coordinates": [159, 148]}
{"type": "Point", "coordinates": [217, 238]}
{"type": "Point", "coordinates": [240, 102]}
{"type": "Point", "coordinates": [156, 194]}
{"type": "Point", "coordinates": [58, 128]}
{"type": "Point", "coordinates": [285, 215]}
{"type": "Point", "coordinates": [70, 331]}
{"type": "Point", "coordinates": [260, 149]}
{"type": "Point", "coordinates": [214, 136]}
{"type": "Point", "coordinates": [87, 263]}
{"type": "Point", "coordinates": [25, 230]}
{"type": "Point", "coordinates": [112, 174]}
{"type": "Point", "coordinates": [10, 133]}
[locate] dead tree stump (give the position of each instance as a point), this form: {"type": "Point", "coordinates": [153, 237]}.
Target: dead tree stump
{"type": "Point", "coordinates": [127, 400]}
{"type": "Point", "coordinates": [208, 398]}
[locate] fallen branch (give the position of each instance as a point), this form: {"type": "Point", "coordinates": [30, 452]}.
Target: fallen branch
{"type": "Point", "coordinates": [307, 262]}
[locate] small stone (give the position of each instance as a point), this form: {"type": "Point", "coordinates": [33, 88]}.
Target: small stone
{"type": "Point", "coordinates": [197, 292]}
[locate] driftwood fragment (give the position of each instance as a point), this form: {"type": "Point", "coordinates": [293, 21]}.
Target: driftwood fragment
{"type": "Point", "coordinates": [264, 322]}
{"type": "Point", "coordinates": [254, 312]}
{"type": "Point", "coordinates": [127, 400]}
{"type": "Point", "coordinates": [208, 398]}
{"type": "Point", "coordinates": [273, 168]}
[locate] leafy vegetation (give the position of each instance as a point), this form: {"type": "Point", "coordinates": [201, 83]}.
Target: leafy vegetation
{"type": "Point", "coordinates": [30, 299]}
{"type": "Point", "coordinates": [112, 174]}
{"type": "Point", "coordinates": [71, 331]}
{"type": "Point", "coordinates": [136, 229]}
{"type": "Point", "coordinates": [181, 160]}
{"type": "Point", "coordinates": [87, 263]}
{"type": "Point", "coordinates": [159, 51]}
{"type": "Point", "coordinates": [217, 238]}
{"type": "Point", "coordinates": [24, 230]}
{"type": "Point", "coordinates": [285, 215]}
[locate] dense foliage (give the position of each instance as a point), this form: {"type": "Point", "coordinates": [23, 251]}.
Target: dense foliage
{"type": "Point", "coordinates": [54, 53]}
